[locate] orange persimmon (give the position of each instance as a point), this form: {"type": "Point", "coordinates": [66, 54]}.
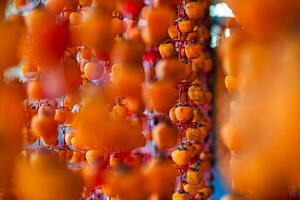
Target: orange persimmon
{"type": "Point", "coordinates": [165, 136]}
{"type": "Point", "coordinates": [153, 92]}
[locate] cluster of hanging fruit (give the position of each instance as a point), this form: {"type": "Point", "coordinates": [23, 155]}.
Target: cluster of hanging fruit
{"type": "Point", "coordinates": [107, 91]}
{"type": "Point", "coordinates": [187, 63]}
{"type": "Point", "coordinates": [262, 79]}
